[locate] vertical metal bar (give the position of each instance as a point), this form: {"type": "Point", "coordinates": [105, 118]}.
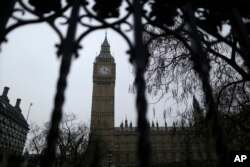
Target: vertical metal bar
{"type": "Point", "coordinates": [243, 35]}
{"type": "Point", "coordinates": [6, 9]}
{"type": "Point", "coordinates": [202, 67]}
{"type": "Point", "coordinates": [141, 60]}
{"type": "Point", "coordinates": [67, 52]}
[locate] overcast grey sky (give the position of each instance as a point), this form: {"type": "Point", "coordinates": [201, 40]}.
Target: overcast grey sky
{"type": "Point", "coordinates": [30, 67]}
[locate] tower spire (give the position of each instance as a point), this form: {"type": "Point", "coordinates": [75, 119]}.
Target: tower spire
{"type": "Point", "coordinates": [105, 42]}
{"type": "Point", "coordinates": [105, 48]}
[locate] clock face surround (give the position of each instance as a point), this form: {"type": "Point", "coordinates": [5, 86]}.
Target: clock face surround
{"type": "Point", "coordinates": [104, 70]}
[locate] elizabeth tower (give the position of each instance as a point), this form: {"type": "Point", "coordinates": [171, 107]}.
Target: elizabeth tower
{"type": "Point", "coordinates": [102, 113]}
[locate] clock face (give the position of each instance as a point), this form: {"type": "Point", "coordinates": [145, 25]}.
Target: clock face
{"type": "Point", "coordinates": [104, 70]}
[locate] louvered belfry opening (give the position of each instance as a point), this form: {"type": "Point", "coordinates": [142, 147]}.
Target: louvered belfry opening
{"type": "Point", "coordinates": [211, 34]}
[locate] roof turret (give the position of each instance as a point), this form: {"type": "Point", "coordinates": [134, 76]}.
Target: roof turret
{"type": "Point", "coordinates": [126, 122]}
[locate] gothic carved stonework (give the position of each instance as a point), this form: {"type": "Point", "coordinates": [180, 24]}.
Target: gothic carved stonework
{"type": "Point", "coordinates": [102, 115]}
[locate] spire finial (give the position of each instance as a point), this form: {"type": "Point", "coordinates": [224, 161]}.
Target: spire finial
{"type": "Point", "coordinates": [105, 42]}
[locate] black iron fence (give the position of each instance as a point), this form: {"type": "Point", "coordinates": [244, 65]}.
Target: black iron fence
{"type": "Point", "coordinates": [196, 24]}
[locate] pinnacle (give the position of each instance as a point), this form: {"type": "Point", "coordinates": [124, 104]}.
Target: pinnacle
{"type": "Point", "coordinates": [105, 42]}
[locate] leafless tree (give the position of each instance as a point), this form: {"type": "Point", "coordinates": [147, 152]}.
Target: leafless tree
{"type": "Point", "coordinates": [72, 143]}
{"type": "Point", "coordinates": [171, 74]}
{"type": "Point", "coordinates": [73, 140]}
{"type": "Point", "coordinates": [170, 71]}
{"type": "Point", "coordinates": [36, 142]}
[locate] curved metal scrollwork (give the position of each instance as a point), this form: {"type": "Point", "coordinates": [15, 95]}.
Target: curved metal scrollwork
{"type": "Point", "coordinates": [195, 24]}
{"type": "Point", "coordinates": [44, 12]}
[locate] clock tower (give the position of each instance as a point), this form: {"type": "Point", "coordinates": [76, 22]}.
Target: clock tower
{"type": "Point", "coordinates": [102, 113]}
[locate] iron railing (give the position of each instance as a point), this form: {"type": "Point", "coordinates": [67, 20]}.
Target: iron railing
{"type": "Point", "coordinates": [193, 18]}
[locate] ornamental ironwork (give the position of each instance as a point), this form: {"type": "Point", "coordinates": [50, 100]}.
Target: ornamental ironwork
{"type": "Point", "coordinates": [196, 24]}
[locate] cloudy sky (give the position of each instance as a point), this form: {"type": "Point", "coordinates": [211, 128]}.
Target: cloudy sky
{"type": "Point", "coordinates": [30, 67]}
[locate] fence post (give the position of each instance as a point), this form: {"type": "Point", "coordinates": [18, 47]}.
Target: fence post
{"type": "Point", "coordinates": [140, 62]}
{"type": "Point", "coordinates": [68, 48]}
{"type": "Point", "coordinates": [6, 9]}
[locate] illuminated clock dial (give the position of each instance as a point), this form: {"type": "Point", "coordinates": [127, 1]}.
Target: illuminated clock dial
{"type": "Point", "coordinates": [104, 70]}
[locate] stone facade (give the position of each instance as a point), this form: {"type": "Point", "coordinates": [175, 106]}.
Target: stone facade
{"type": "Point", "coordinates": [14, 128]}
{"type": "Point", "coordinates": [170, 145]}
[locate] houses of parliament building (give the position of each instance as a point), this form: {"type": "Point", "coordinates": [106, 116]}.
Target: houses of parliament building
{"type": "Point", "coordinates": [171, 146]}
